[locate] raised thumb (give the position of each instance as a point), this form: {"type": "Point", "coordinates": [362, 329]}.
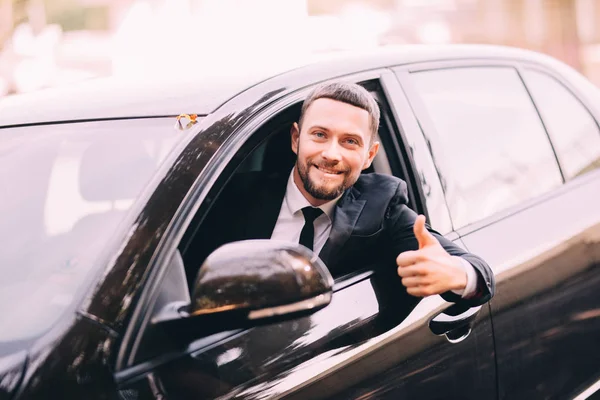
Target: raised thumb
{"type": "Point", "coordinates": [422, 234]}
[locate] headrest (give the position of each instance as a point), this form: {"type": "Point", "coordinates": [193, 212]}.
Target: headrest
{"type": "Point", "coordinates": [113, 171]}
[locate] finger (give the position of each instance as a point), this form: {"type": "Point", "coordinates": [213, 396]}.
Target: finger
{"type": "Point", "coordinates": [421, 291]}
{"type": "Point", "coordinates": [415, 291]}
{"type": "Point", "coordinates": [407, 258]}
{"type": "Point", "coordinates": [424, 237]}
{"type": "Point", "coordinates": [413, 281]}
{"type": "Point", "coordinates": [412, 270]}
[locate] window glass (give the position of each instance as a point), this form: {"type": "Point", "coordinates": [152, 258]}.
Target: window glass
{"type": "Point", "coordinates": [66, 189]}
{"type": "Point", "coordinates": [489, 143]}
{"type": "Point", "coordinates": [573, 130]}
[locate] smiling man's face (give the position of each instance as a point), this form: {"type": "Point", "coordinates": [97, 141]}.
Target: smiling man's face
{"type": "Point", "coordinates": [333, 147]}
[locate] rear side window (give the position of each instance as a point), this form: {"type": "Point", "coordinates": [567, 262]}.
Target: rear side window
{"type": "Point", "coordinates": [489, 143]}
{"type": "Point", "coordinates": [571, 127]}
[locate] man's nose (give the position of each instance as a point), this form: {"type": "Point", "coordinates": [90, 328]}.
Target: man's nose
{"type": "Point", "coordinates": [331, 152]}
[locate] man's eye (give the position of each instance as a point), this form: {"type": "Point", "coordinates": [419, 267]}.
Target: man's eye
{"type": "Point", "coordinates": [319, 134]}
{"type": "Point", "coordinates": [352, 142]}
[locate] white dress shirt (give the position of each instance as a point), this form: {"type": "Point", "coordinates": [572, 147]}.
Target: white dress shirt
{"type": "Point", "coordinates": [291, 221]}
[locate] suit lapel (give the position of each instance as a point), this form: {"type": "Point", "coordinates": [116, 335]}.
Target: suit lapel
{"type": "Point", "coordinates": [269, 198]}
{"type": "Point", "coordinates": [347, 212]}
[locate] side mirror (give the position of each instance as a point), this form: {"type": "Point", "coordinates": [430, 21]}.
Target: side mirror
{"type": "Point", "coordinates": [248, 283]}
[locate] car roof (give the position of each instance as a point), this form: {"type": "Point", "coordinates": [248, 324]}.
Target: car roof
{"type": "Point", "coordinates": [130, 97]}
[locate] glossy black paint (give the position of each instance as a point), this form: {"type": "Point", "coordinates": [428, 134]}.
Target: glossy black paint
{"type": "Point", "coordinates": [160, 96]}
{"type": "Point", "coordinates": [112, 299]}
{"type": "Point", "coordinates": [357, 347]}
{"type": "Point", "coordinates": [547, 311]}
{"type": "Point", "coordinates": [110, 302]}
{"type": "Point", "coordinates": [279, 359]}
{"type": "Point", "coordinates": [241, 285]}
{"type": "Point", "coordinates": [12, 367]}
{"type": "Point", "coordinates": [70, 362]}
{"type": "Point", "coordinates": [258, 274]}
{"type": "Point", "coordinates": [544, 253]}
{"type": "Point", "coordinates": [416, 365]}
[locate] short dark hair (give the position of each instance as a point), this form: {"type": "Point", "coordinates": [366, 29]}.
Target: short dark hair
{"type": "Point", "coordinates": [349, 93]}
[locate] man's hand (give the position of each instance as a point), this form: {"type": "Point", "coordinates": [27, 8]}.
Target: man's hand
{"type": "Point", "coordinates": [429, 270]}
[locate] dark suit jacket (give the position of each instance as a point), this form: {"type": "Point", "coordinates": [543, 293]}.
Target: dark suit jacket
{"type": "Point", "coordinates": [372, 225]}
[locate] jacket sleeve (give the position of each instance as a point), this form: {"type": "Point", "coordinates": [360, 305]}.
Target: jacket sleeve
{"type": "Point", "coordinates": [399, 222]}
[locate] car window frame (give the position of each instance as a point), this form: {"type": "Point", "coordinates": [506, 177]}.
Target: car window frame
{"type": "Point", "coordinates": [411, 134]}
{"type": "Point", "coordinates": [578, 95]}
{"type": "Point", "coordinates": [523, 65]}
{"type": "Point", "coordinates": [427, 125]}
{"type": "Point", "coordinates": [206, 184]}
{"type": "Point", "coordinates": [219, 164]}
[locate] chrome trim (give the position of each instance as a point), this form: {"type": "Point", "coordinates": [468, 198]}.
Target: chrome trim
{"type": "Point", "coordinates": [320, 300]}
{"type": "Point", "coordinates": [215, 310]}
{"type": "Point", "coordinates": [587, 393]}
{"type": "Point", "coordinates": [459, 339]}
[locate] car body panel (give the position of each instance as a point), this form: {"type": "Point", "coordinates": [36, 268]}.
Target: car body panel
{"type": "Point", "coordinates": [335, 352]}
{"type": "Point", "coordinates": [362, 340]}
{"type": "Point", "coordinates": [546, 308]}
{"type": "Point", "coordinates": [545, 254]}
{"type": "Point", "coordinates": [70, 361]}
{"type": "Point", "coordinates": [173, 95]}
{"type": "Point", "coordinates": [12, 368]}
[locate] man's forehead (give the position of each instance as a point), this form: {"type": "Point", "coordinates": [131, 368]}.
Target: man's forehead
{"type": "Point", "coordinates": [332, 114]}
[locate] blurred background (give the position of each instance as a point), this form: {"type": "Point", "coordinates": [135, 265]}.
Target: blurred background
{"type": "Point", "coordinates": [47, 43]}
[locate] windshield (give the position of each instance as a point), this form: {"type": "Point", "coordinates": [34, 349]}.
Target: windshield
{"type": "Point", "coordinates": [66, 187]}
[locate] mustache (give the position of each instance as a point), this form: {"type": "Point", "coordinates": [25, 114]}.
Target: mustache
{"type": "Point", "coordinates": [331, 166]}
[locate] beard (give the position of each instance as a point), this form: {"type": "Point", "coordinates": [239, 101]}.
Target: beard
{"type": "Point", "coordinates": [321, 190]}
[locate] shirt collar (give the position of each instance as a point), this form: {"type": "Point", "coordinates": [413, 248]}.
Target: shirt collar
{"type": "Point", "coordinates": [296, 201]}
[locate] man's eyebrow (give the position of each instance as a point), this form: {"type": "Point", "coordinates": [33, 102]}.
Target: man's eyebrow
{"type": "Point", "coordinates": [318, 127]}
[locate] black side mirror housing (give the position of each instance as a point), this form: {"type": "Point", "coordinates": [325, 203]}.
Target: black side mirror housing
{"type": "Point", "coordinates": [249, 283]}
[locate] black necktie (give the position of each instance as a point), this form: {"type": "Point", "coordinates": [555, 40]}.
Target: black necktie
{"type": "Point", "coordinates": [307, 236]}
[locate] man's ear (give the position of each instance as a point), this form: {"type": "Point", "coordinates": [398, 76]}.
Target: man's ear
{"type": "Point", "coordinates": [295, 132]}
{"type": "Point", "coordinates": [372, 153]}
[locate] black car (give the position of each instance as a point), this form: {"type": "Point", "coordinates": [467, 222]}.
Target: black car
{"type": "Point", "coordinates": [106, 188]}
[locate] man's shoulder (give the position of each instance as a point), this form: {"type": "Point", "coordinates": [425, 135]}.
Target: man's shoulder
{"type": "Point", "coordinates": [383, 195]}
{"type": "Point", "coordinates": [380, 185]}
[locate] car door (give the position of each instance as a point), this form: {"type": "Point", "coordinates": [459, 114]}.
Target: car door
{"type": "Point", "coordinates": [504, 186]}
{"type": "Point", "coordinates": [370, 342]}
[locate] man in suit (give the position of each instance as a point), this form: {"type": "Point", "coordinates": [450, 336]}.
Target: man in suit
{"type": "Point", "coordinates": [351, 220]}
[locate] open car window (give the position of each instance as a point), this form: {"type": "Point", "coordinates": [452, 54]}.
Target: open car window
{"type": "Point", "coordinates": [272, 154]}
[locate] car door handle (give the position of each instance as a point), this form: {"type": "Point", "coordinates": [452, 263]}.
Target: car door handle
{"type": "Point", "coordinates": [455, 322]}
